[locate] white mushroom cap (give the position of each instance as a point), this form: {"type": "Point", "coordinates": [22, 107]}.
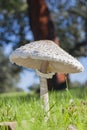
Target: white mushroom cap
{"type": "Point", "coordinates": [32, 55]}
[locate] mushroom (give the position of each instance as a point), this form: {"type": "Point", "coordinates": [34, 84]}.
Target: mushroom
{"type": "Point", "coordinates": [47, 58]}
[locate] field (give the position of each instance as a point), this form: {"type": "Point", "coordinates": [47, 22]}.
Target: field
{"type": "Point", "coordinates": [66, 108]}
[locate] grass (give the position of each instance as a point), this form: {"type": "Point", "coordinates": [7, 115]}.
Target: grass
{"type": "Point", "coordinates": [66, 108]}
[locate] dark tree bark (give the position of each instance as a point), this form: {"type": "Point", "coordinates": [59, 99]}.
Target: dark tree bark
{"type": "Point", "coordinates": [40, 22]}
{"type": "Point", "coordinates": [43, 28]}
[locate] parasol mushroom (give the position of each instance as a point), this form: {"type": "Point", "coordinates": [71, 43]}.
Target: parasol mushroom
{"type": "Point", "coordinates": [47, 58]}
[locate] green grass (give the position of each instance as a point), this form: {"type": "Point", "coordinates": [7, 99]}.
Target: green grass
{"type": "Point", "coordinates": [66, 107]}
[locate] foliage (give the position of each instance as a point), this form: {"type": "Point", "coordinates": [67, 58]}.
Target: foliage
{"type": "Point", "coordinates": [12, 6]}
{"type": "Point", "coordinates": [34, 88]}
{"type": "Point", "coordinates": [70, 25]}
{"type": "Point", "coordinates": [8, 77]}
{"type": "Point", "coordinates": [12, 31]}
{"type": "Point", "coordinates": [65, 109]}
{"type": "Point", "coordinates": [76, 84]}
{"type": "Point", "coordinates": [13, 22]}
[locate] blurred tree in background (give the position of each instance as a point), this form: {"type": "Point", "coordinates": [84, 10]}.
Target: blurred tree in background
{"type": "Point", "coordinates": [70, 25]}
{"type": "Point", "coordinates": [8, 74]}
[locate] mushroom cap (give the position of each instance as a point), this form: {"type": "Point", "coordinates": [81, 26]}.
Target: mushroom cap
{"type": "Point", "coordinates": [32, 55]}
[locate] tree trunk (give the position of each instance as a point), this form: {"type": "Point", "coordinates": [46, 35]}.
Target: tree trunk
{"type": "Point", "coordinates": [43, 28]}
{"type": "Point", "coordinates": [40, 22]}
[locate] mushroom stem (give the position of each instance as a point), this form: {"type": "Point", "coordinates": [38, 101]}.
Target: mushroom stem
{"type": "Point", "coordinates": [44, 95]}
{"type": "Point", "coordinates": [44, 89]}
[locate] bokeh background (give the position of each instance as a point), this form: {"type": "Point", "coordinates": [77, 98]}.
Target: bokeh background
{"type": "Point", "coordinates": [23, 21]}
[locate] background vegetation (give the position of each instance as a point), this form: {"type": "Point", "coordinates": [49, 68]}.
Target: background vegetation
{"type": "Point", "coordinates": [15, 30]}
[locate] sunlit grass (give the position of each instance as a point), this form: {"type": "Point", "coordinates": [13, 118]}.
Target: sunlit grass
{"type": "Point", "coordinates": [65, 109]}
